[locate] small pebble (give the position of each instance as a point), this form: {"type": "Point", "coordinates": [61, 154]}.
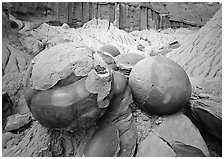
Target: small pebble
{"type": "Point", "coordinates": [135, 114]}
{"type": "Point", "coordinates": [145, 118]}
{"type": "Point", "coordinates": [158, 121]}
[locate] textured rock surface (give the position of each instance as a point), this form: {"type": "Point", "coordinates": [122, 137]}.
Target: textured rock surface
{"type": "Point", "coordinates": [200, 54]}
{"type": "Point", "coordinates": [54, 64]}
{"type": "Point", "coordinates": [17, 121]}
{"type": "Point", "coordinates": [13, 84]}
{"type": "Point", "coordinates": [154, 146]}
{"type": "Point", "coordinates": [164, 132]}
{"type": "Point", "coordinates": [180, 128]}
{"type": "Point", "coordinates": [35, 140]}
{"type": "Point", "coordinates": [13, 60]}
{"type": "Point", "coordinates": [119, 113]}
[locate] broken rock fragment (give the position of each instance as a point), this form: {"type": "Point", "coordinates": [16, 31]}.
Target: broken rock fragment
{"type": "Point", "coordinates": [17, 121]}
{"type": "Point", "coordinates": [179, 128]}
{"type": "Point", "coordinates": [154, 146]}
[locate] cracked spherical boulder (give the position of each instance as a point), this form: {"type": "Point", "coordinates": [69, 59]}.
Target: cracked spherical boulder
{"type": "Point", "coordinates": [67, 87]}
{"type": "Point", "coordinates": [110, 49]}
{"type": "Point", "coordinates": [159, 85]}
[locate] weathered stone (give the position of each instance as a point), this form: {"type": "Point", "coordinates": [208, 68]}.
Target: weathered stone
{"type": "Point", "coordinates": [21, 106]}
{"type": "Point", "coordinates": [183, 150]}
{"type": "Point", "coordinates": [154, 146]}
{"type": "Point", "coordinates": [14, 60]}
{"type": "Point", "coordinates": [119, 114]}
{"type": "Point", "coordinates": [145, 117]}
{"type": "Point", "coordinates": [17, 121]}
{"type": "Point", "coordinates": [36, 47]}
{"type": "Point", "coordinates": [6, 137]}
{"type": "Point", "coordinates": [35, 141]}
{"type": "Point", "coordinates": [178, 127]}
{"type": "Point", "coordinates": [105, 142]}
{"type": "Point", "coordinates": [51, 65]}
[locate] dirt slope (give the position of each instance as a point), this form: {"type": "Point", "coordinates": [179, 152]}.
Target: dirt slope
{"type": "Point", "coordinates": [200, 55]}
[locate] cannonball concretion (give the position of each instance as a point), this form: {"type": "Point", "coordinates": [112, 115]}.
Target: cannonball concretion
{"type": "Point", "coordinates": [110, 49]}
{"type": "Point", "coordinates": [159, 85]}
{"type": "Point", "coordinates": [68, 87]}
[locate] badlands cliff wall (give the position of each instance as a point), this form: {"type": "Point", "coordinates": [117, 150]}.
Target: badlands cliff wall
{"type": "Point", "coordinates": [126, 16]}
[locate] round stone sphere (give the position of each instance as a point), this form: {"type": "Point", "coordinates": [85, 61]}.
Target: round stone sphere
{"type": "Point", "coordinates": [110, 49]}
{"type": "Point", "coordinates": [128, 59]}
{"type": "Point", "coordinates": [159, 85]}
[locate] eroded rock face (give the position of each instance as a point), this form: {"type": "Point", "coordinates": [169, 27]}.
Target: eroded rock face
{"type": "Point", "coordinates": [120, 115]}
{"type": "Point", "coordinates": [176, 136]}
{"type": "Point", "coordinates": [32, 144]}
{"type": "Point", "coordinates": [200, 54]}
{"type": "Point", "coordinates": [154, 146]}
{"type": "Point", "coordinates": [13, 60]}
{"type": "Point", "coordinates": [180, 128]}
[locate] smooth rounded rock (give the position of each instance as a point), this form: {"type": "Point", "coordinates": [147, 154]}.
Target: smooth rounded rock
{"type": "Point", "coordinates": [110, 49]}
{"type": "Point", "coordinates": [104, 143]}
{"type": "Point", "coordinates": [159, 85]}
{"type": "Point", "coordinates": [129, 59]}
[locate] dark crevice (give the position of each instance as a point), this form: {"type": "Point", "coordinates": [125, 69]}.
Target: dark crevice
{"type": "Point", "coordinates": [166, 142]}
{"type": "Point", "coordinates": [8, 57]}
{"type": "Point", "coordinates": [136, 150]}
{"type": "Point", "coordinates": [17, 64]}
{"type": "Point", "coordinates": [13, 24]}
{"type": "Point", "coordinates": [108, 26]}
